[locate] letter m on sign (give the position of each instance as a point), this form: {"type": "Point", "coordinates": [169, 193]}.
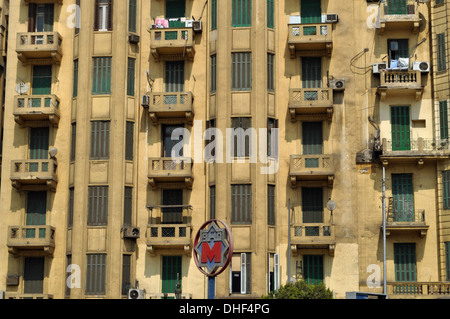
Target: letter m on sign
{"type": "Point", "coordinates": [211, 255]}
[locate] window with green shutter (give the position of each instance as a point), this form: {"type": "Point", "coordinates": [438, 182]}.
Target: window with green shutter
{"type": "Point", "coordinates": [101, 75]}
{"type": "Point", "coordinates": [213, 15]}
{"type": "Point", "coordinates": [97, 206]}
{"type": "Point", "coordinates": [311, 11]}
{"type": "Point", "coordinates": [312, 142]}
{"type": "Point", "coordinates": [100, 131]}
{"type": "Point", "coordinates": [70, 211]}
{"type": "Point", "coordinates": [241, 71]}
{"type": "Point", "coordinates": [447, 260]}
{"type": "Point", "coordinates": [171, 273]}
{"type": "Point", "coordinates": [174, 79]}
{"type": "Point", "coordinates": [405, 262]}
{"type": "Point", "coordinates": [126, 274]}
{"type": "Point", "coordinates": [270, 72]}
{"type": "Point", "coordinates": [212, 202]}
{"type": "Point", "coordinates": [241, 204]}
{"type": "Point", "coordinates": [398, 48]}
{"type": "Point", "coordinates": [270, 14]}
{"type": "Point", "coordinates": [313, 269]}
{"type": "Point", "coordinates": [397, 7]}
{"type": "Point", "coordinates": [39, 142]}
{"type": "Point", "coordinates": [443, 119]}
{"type": "Point", "coordinates": [42, 80]}
{"type": "Point", "coordinates": [129, 141]}
{"type": "Point", "coordinates": [241, 143]}
{"type": "Point", "coordinates": [132, 15]}
{"type": "Point", "coordinates": [131, 74]}
{"type": "Point", "coordinates": [128, 206]}
{"type": "Point", "coordinates": [40, 18]}
{"type": "Point", "coordinates": [172, 215]}
{"type": "Point", "coordinates": [311, 77]}
{"type": "Point", "coordinates": [446, 189]}
{"type": "Point", "coordinates": [242, 13]}
{"type": "Point", "coordinates": [270, 204]}
{"type": "Point", "coordinates": [175, 9]}
{"type": "Point", "coordinates": [95, 274]}
{"type": "Point", "coordinates": [400, 127]}
{"type": "Point", "coordinates": [312, 205]}
{"type": "Point", "coordinates": [441, 53]}
{"type": "Point", "coordinates": [33, 275]}
{"type": "Point", "coordinates": [73, 142]}
{"type": "Point", "coordinates": [403, 193]}
{"type": "Point", "coordinates": [75, 78]}
{"type": "Point", "coordinates": [213, 73]}
{"type": "Point", "coordinates": [36, 213]}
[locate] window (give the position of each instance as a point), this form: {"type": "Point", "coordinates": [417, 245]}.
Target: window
{"type": "Point", "coordinates": [131, 76]}
{"type": "Point", "coordinates": [403, 194]}
{"type": "Point", "coordinates": [95, 274]}
{"type": "Point", "coordinates": [270, 72]}
{"type": "Point", "coordinates": [97, 206]}
{"type": "Point", "coordinates": [68, 274]}
{"type": "Point", "coordinates": [242, 139]}
{"type": "Point", "coordinates": [241, 273]}
{"type": "Point", "coordinates": [443, 117]}
{"type": "Point", "coordinates": [398, 48]}
{"type": "Point", "coordinates": [312, 207]}
{"type": "Point", "coordinates": [73, 142]}
{"type": "Point", "coordinates": [42, 80]}
{"type": "Point", "coordinates": [213, 15]}
{"type": "Point", "coordinates": [101, 75]}
{"type": "Point", "coordinates": [242, 13]}
{"type": "Point", "coordinates": [174, 77]}
{"type": "Point", "coordinates": [75, 78]}
{"type": "Point", "coordinates": [33, 275]}
{"type": "Point", "coordinates": [313, 269]}
{"type": "Point", "coordinates": [129, 141]}
{"type": "Point", "coordinates": [36, 213]}
{"type": "Point", "coordinates": [103, 15]}
{"type": "Point", "coordinates": [312, 142]}
{"type": "Point", "coordinates": [175, 9]}
{"type": "Point", "coordinates": [271, 205]}
{"type": "Point", "coordinates": [274, 272]}
{"type": "Point", "coordinates": [447, 260]}
{"type": "Point", "coordinates": [71, 202]}
{"type": "Point", "coordinates": [311, 76]}
{"type": "Point", "coordinates": [172, 211]}
{"type": "Point", "coordinates": [446, 189]}
{"type": "Point", "coordinates": [401, 132]}
{"type": "Point", "coordinates": [241, 71]}
{"type": "Point", "coordinates": [132, 14]}
{"type": "Point", "coordinates": [171, 273]}
{"type": "Point", "coordinates": [397, 7]}
{"type": "Point", "coordinates": [39, 143]}
{"type": "Point", "coordinates": [213, 73]}
{"type": "Point", "coordinates": [270, 14]}
{"type": "Point", "coordinates": [311, 11]}
{"type": "Point", "coordinates": [212, 202]}
{"type": "Point", "coordinates": [210, 140]}
{"type": "Point", "coordinates": [439, 2]}
{"type": "Point", "coordinates": [100, 140]}
{"type": "Point", "coordinates": [272, 138]}
{"type": "Point", "coordinates": [405, 262]}
{"type": "Point", "coordinates": [169, 144]}
{"type": "Point", "coordinates": [441, 54]}
{"type": "Point", "coordinates": [126, 274]}
{"type": "Point", "coordinates": [128, 206]}
{"type": "Point", "coordinates": [40, 18]}
{"type": "Point", "coordinates": [77, 17]}
{"type": "Point", "coordinates": [241, 204]}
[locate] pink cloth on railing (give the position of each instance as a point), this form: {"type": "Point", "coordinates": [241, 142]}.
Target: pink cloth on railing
{"type": "Point", "coordinates": [162, 23]}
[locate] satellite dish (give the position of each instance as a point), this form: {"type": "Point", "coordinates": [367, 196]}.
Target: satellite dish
{"type": "Point", "coordinates": [22, 88]}
{"type": "Point", "coordinates": [53, 151]}
{"type": "Point", "coordinates": [331, 205]}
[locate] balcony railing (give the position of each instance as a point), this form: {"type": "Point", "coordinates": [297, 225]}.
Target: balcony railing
{"type": "Point", "coordinates": [402, 217]}
{"type": "Point", "coordinates": [172, 44]}
{"type": "Point", "coordinates": [419, 289]}
{"type": "Point", "coordinates": [313, 235]}
{"type": "Point", "coordinates": [171, 105]}
{"type": "Point", "coordinates": [312, 167]}
{"type": "Point", "coordinates": [416, 147]}
{"type": "Point", "coordinates": [39, 47]}
{"type": "Point", "coordinates": [33, 110]}
{"type": "Point", "coordinates": [310, 39]}
{"type": "Point", "coordinates": [393, 81]}
{"type": "Point", "coordinates": [312, 100]}
{"type": "Point", "coordinates": [169, 227]}
{"type": "Point", "coordinates": [34, 175]}
{"type": "Point", "coordinates": [396, 15]}
{"type": "Point", "coordinates": [166, 169]}
{"type": "Point", "coordinates": [28, 296]}
{"type": "Point", "coordinates": [40, 239]}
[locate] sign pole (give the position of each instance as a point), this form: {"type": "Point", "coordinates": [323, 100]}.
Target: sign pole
{"type": "Point", "coordinates": [212, 287]}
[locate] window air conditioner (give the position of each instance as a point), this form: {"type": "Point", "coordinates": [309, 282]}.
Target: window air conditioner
{"type": "Point", "coordinates": [421, 66]}
{"type": "Point", "coordinates": [133, 38]}
{"type": "Point", "coordinates": [337, 84]}
{"type": "Point", "coordinates": [331, 18]}
{"type": "Point", "coordinates": [131, 232]}
{"type": "Point", "coordinates": [197, 26]}
{"type": "Point", "coordinates": [378, 67]}
{"type": "Point", "coordinates": [136, 294]}
{"type": "Point", "coordinates": [145, 101]}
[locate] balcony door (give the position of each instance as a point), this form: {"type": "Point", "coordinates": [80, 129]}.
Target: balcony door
{"type": "Point", "coordinates": [42, 80]}
{"type": "Point", "coordinates": [168, 143]}
{"type": "Point", "coordinates": [36, 213]}
{"type": "Point", "coordinates": [172, 212]}
{"type": "Point", "coordinates": [39, 143]}
{"type": "Point", "coordinates": [396, 7]}
{"type": "Point", "coordinates": [400, 128]}
{"type": "Point", "coordinates": [40, 19]}
{"type": "Point", "coordinates": [312, 142]}
{"type": "Point", "coordinates": [312, 207]}
{"type": "Point", "coordinates": [174, 77]}
{"type": "Point", "coordinates": [403, 194]}
{"type": "Point", "coordinates": [311, 11]}
{"type": "Point", "coordinates": [33, 275]}
{"type": "Point", "coordinates": [311, 77]}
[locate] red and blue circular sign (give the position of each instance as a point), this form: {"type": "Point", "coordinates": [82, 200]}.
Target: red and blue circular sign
{"type": "Point", "coordinates": [213, 248]}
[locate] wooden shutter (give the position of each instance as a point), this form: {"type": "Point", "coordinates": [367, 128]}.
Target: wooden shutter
{"type": "Point", "coordinates": [71, 202]}
{"type": "Point", "coordinates": [446, 189]}
{"type": "Point", "coordinates": [175, 9]}
{"type": "Point", "coordinates": [276, 271]}
{"type": "Point", "coordinates": [271, 204]}
{"type": "Point", "coordinates": [312, 139]}
{"type": "Point", "coordinates": [126, 274]}
{"type": "Point", "coordinates": [172, 215]}
{"type": "Point", "coordinates": [98, 206]}
{"type": "Point", "coordinates": [447, 260]}
{"type": "Point", "coordinates": [128, 206]}
{"type": "Point", "coordinates": [33, 275]}
{"type": "Point", "coordinates": [129, 141]}
{"type": "Point", "coordinates": [95, 274]}
{"type": "Point", "coordinates": [312, 205]}
{"type": "Point", "coordinates": [213, 15]}
{"type": "Point", "coordinates": [75, 78]}
{"type": "Point", "coordinates": [242, 13]}
{"type": "Point", "coordinates": [241, 71]}
{"type": "Point", "coordinates": [401, 135]}
{"type": "Point", "coordinates": [32, 17]}
{"type": "Point", "coordinates": [213, 73]}
{"type": "Point", "coordinates": [241, 204]}
{"type": "Point", "coordinates": [36, 208]}
{"type": "Point", "coordinates": [97, 15]}
{"type": "Point", "coordinates": [403, 193]}
{"type": "Point", "coordinates": [270, 14]}
{"type": "Point", "coordinates": [49, 17]}
{"type": "Point", "coordinates": [312, 73]}
{"type": "Point", "coordinates": [313, 269]}
{"type": "Point", "coordinates": [270, 72]}
{"type": "Point", "coordinates": [311, 11]}
{"type": "Point", "coordinates": [42, 80]}
{"type": "Point", "coordinates": [212, 202]}
{"type": "Point", "coordinates": [443, 119]}
{"type": "Point", "coordinates": [171, 273]}
{"type": "Point", "coordinates": [441, 52]}
{"type": "Point", "coordinates": [110, 15]}
{"type": "Point", "coordinates": [396, 7]}
{"type": "Point", "coordinates": [100, 132]}
{"type": "Point", "coordinates": [132, 16]}
{"type": "Point", "coordinates": [39, 143]}
{"type": "Point", "coordinates": [167, 143]}
{"type": "Point", "coordinates": [405, 261]}
{"type": "Point", "coordinates": [101, 75]}
{"type": "Point", "coordinates": [174, 76]}
{"type": "Point", "coordinates": [73, 142]}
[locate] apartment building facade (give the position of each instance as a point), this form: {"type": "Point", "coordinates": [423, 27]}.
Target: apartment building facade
{"type": "Point", "coordinates": [93, 205]}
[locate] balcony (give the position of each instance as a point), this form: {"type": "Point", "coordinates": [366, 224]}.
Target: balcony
{"type": "Point", "coordinates": [34, 175]}
{"type": "Point", "coordinates": [307, 102]}
{"type": "Point", "coordinates": [167, 107]}
{"type": "Point", "coordinates": [31, 240]}
{"type": "Point", "coordinates": [44, 1]}
{"type": "Point", "coordinates": [418, 290]}
{"type": "Point", "coordinates": [313, 236]}
{"type": "Point", "coordinates": [312, 170]}
{"type": "Point", "coordinates": [169, 228]}
{"type": "Point", "coordinates": [310, 39]}
{"type": "Point", "coordinates": [165, 171]}
{"type": "Point", "coordinates": [414, 150]}
{"type": "Point", "coordinates": [28, 296]}
{"type": "Point", "coordinates": [398, 17]}
{"type": "Point", "coordinates": [39, 48]}
{"type": "Point", "coordinates": [172, 44]}
{"type": "Point", "coordinates": [395, 82]}
{"type": "Point", "coordinates": [402, 220]}
{"type": "Point", "coordinates": [36, 110]}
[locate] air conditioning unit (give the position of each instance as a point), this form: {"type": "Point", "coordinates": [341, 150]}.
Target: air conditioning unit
{"type": "Point", "coordinates": [378, 67]}
{"type": "Point", "coordinates": [2, 294]}
{"type": "Point", "coordinates": [421, 66]}
{"type": "Point", "coordinates": [131, 232]}
{"type": "Point", "coordinates": [197, 26]}
{"type": "Point", "coordinates": [133, 38]}
{"type": "Point", "coordinates": [331, 18]}
{"type": "Point", "coordinates": [136, 294]}
{"type": "Point", "coordinates": [337, 84]}
{"type": "Point", "coordinates": [145, 101]}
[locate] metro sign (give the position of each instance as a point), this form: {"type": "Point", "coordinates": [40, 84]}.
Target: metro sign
{"type": "Point", "coordinates": [213, 248]}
